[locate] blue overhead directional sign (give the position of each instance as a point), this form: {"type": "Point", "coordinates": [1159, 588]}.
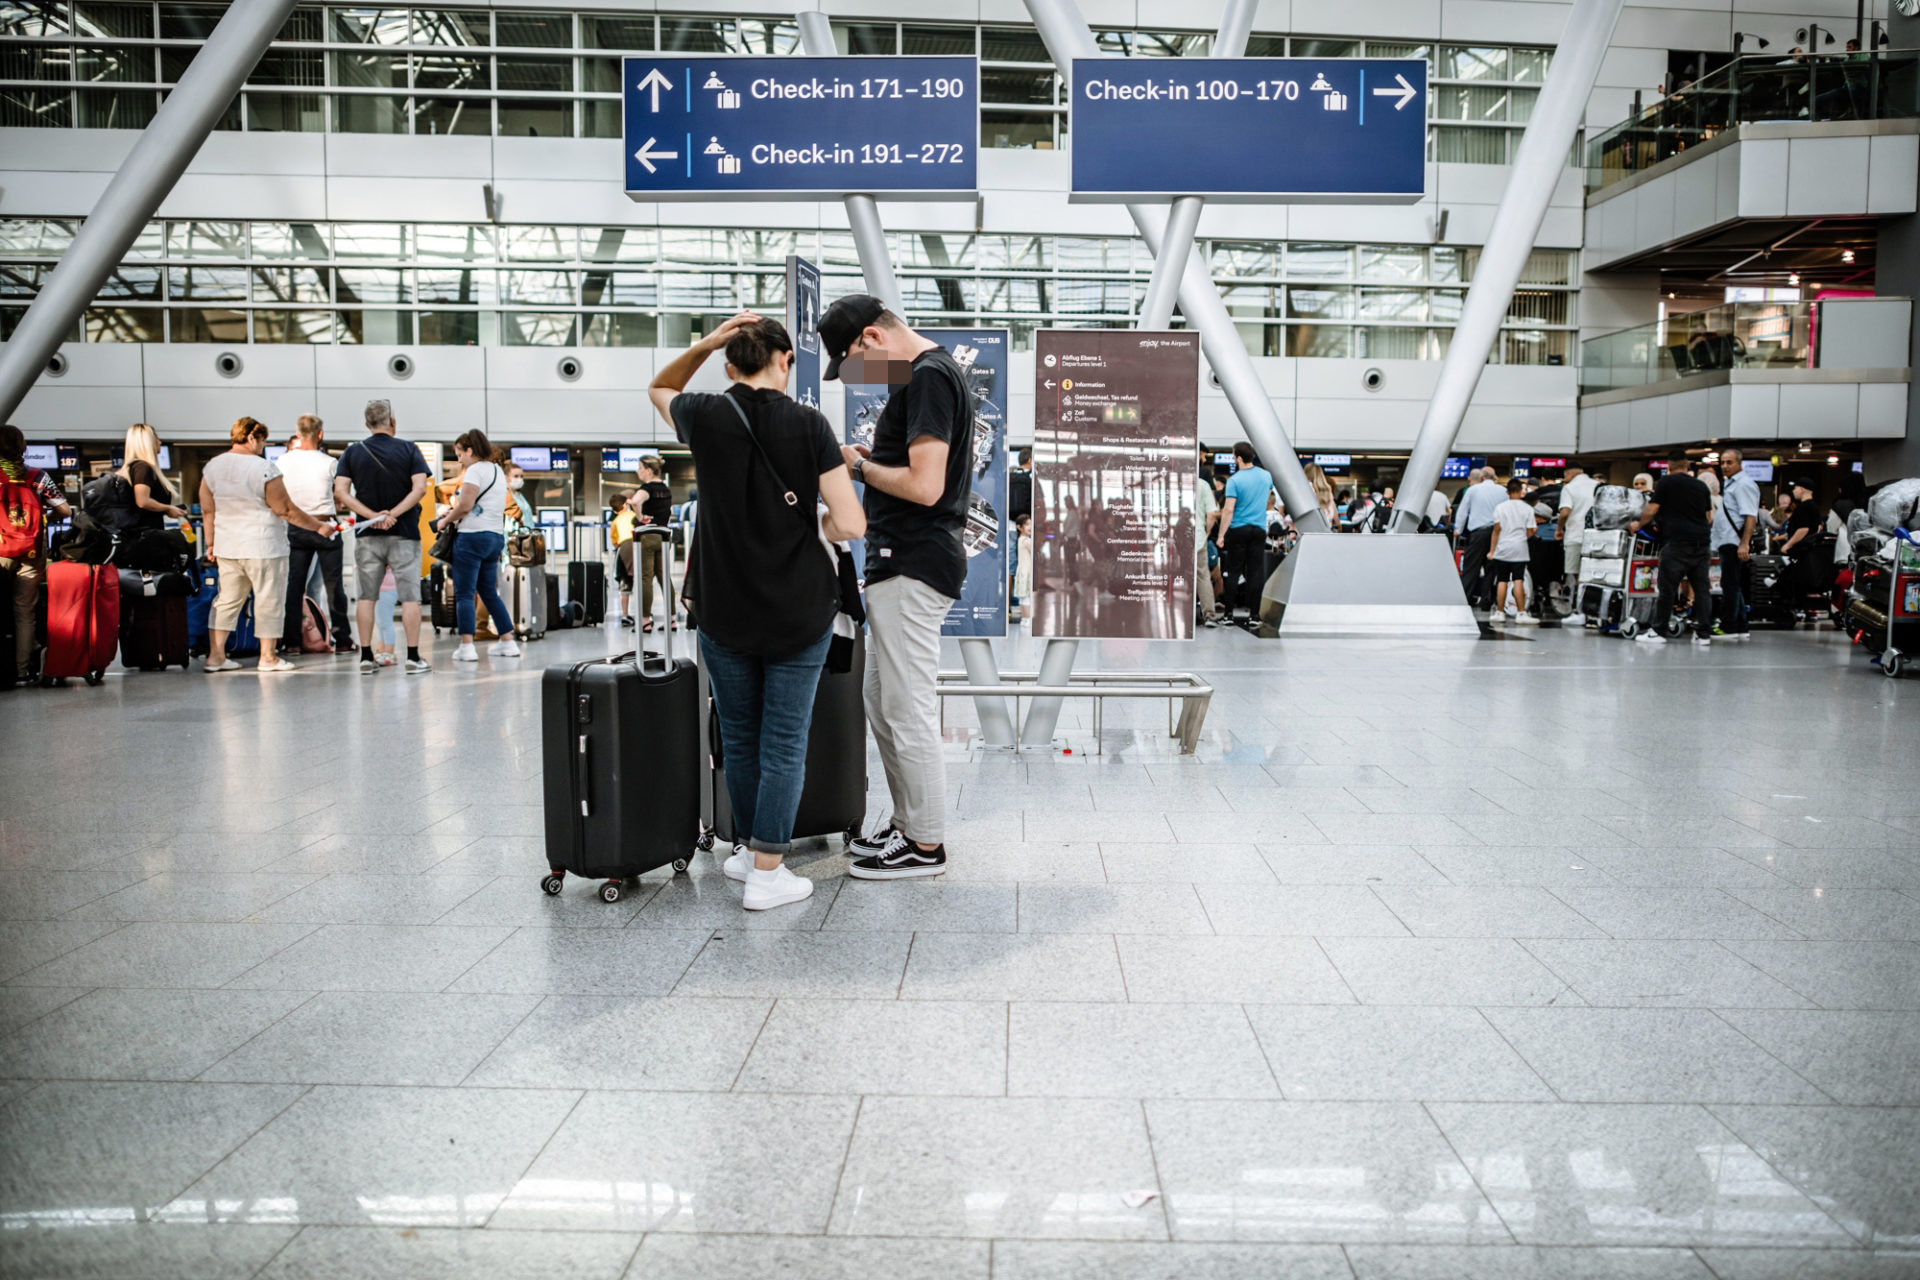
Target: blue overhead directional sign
{"type": "Point", "coordinates": [1301, 130]}
{"type": "Point", "coordinates": [801, 128]}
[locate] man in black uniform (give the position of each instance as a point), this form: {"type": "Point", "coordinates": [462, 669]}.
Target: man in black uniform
{"type": "Point", "coordinates": [1683, 507]}
{"type": "Point", "coordinates": [917, 484]}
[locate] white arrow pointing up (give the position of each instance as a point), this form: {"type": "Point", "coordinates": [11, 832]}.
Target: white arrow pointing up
{"type": "Point", "coordinates": [656, 82]}
{"type": "Point", "coordinates": [1406, 93]}
{"type": "Point", "coordinates": [646, 155]}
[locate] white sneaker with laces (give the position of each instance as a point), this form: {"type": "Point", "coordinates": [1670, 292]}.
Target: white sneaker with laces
{"type": "Point", "coordinates": [466, 653]}
{"type": "Point", "coordinates": [1525, 620]}
{"type": "Point", "coordinates": [1649, 637]}
{"type": "Point", "coordinates": [738, 864]}
{"type": "Point", "coordinates": [1703, 641]}
{"type": "Point", "coordinates": [775, 888]}
{"type": "Point", "coordinates": [504, 649]}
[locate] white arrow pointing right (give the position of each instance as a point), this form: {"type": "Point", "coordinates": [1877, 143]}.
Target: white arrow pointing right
{"type": "Point", "coordinates": [646, 155]}
{"type": "Point", "coordinates": [1406, 93]}
{"type": "Point", "coordinates": [656, 82]}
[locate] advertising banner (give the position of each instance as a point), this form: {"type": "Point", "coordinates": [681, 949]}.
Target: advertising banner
{"type": "Point", "coordinates": [803, 313]}
{"type": "Point", "coordinates": [1115, 432]}
{"type": "Point", "coordinates": [982, 355]}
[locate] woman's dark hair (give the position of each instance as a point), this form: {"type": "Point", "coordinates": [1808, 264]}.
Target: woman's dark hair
{"type": "Point", "coordinates": [752, 346]}
{"type": "Point", "coordinates": [13, 443]}
{"type": "Point", "coordinates": [475, 442]}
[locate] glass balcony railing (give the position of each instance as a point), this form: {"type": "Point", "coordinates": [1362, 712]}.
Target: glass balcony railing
{"type": "Point", "coordinates": [1755, 87]}
{"type": "Point", "coordinates": [1736, 335]}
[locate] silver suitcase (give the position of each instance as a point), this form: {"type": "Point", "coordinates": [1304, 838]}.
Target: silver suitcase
{"type": "Point", "coordinates": [528, 588]}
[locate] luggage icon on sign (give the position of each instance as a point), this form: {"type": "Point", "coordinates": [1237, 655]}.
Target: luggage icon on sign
{"type": "Point", "coordinates": [723, 162]}
{"type": "Point", "coordinates": [726, 99]}
{"type": "Point", "coordinates": [1334, 102]}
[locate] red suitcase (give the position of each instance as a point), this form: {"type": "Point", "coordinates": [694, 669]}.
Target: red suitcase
{"type": "Point", "coordinates": [83, 620]}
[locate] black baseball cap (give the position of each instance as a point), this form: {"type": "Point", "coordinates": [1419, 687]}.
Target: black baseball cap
{"type": "Point", "coordinates": [841, 323]}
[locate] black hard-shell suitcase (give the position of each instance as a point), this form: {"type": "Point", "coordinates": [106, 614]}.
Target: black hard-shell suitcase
{"type": "Point", "coordinates": [559, 617]}
{"type": "Point", "coordinates": [440, 598]}
{"type": "Point", "coordinates": [153, 625]}
{"type": "Point", "coordinates": [587, 587]}
{"type": "Point", "coordinates": [833, 798]}
{"type": "Point", "coordinates": [620, 744]}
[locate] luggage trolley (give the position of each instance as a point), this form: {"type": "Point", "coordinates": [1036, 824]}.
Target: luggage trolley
{"type": "Point", "coordinates": [1619, 578]}
{"type": "Point", "coordinates": [1883, 604]}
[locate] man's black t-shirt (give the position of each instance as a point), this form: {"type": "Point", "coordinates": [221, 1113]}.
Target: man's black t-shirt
{"type": "Point", "coordinates": [904, 538]}
{"type": "Point", "coordinates": [658, 502]}
{"type": "Point", "coordinates": [758, 578]}
{"type": "Point", "coordinates": [1019, 493]}
{"type": "Point", "coordinates": [381, 469]}
{"type": "Point", "coordinates": [1686, 509]}
{"type": "Point", "coordinates": [1805, 516]}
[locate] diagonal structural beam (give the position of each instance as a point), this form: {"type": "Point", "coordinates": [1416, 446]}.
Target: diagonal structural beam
{"type": "Point", "coordinates": [165, 148]}
{"type": "Point", "coordinates": [1537, 167]}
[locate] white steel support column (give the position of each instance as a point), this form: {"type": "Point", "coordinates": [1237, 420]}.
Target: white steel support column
{"type": "Point", "coordinates": [876, 264]}
{"type": "Point", "coordinates": [1067, 37]}
{"type": "Point", "coordinates": [166, 147]}
{"type": "Point", "coordinates": [1537, 169]}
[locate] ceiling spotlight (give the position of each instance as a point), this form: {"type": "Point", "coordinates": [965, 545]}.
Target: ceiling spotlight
{"type": "Point", "coordinates": [1833, 459]}
{"type": "Point", "coordinates": [1846, 256]}
{"type": "Point", "coordinates": [1670, 293]}
{"type": "Point", "coordinates": [1793, 278]}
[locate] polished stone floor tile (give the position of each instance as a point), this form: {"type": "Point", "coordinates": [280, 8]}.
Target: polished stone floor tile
{"type": "Point", "coordinates": [366, 899]}
{"type": "Point", "coordinates": [21, 1005]}
{"type": "Point", "coordinates": [194, 897]}
{"type": "Point", "coordinates": [1391, 1054]}
{"type": "Point", "coordinates": [1349, 864]}
{"type": "Point", "coordinates": [346, 1253]}
{"type": "Point", "coordinates": [923, 906]}
{"type": "Point", "coordinates": [519, 901]}
{"type": "Point", "coordinates": [1856, 1056]}
{"type": "Point", "coordinates": [377, 1037]}
{"type": "Point", "coordinates": [1010, 863]}
{"type": "Point", "coordinates": [1134, 1051]}
{"type": "Point", "coordinates": [1179, 970]}
{"type": "Point", "coordinates": [1881, 915]}
{"type": "Point", "coordinates": [1269, 798]}
{"type": "Point", "coordinates": [377, 852]}
{"type": "Point", "coordinates": [709, 901]}
{"type": "Point", "coordinates": [1648, 1055]}
{"type": "Point", "coordinates": [1484, 911]}
{"type": "Point", "coordinates": [76, 1154]}
{"type": "Point", "coordinates": [133, 1034]}
{"type": "Point", "coordinates": [218, 851]}
{"type": "Point", "coordinates": [1571, 1174]}
{"type": "Point", "coordinates": [1803, 1264]}
{"type": "Point", "coordinates": [139, 1251]}
{"type": "Point", "coordinates": [1684, 866]}
{"type": "Point", "coordinates": [1838, 868]}
{"type": "Point", "coordinates": [27, 944]}
{"type": "Point", "coordinates": [49, 895]}
{"type": "Point", "coordinates": [706, 1257]}
{"type": "Point", "coordinates": [1653, 973]}
{"type": "Point", "coordinates": [991, 1167]}
{"type": "Point", "coordinates": [1111, 908]}
{"type": "Point", "coordinates": [700, 1162]}
{"type": "Point", "coordinates": [626, 1042]}
{"type": "Point", "coordinates": [845, 963]}
{"type": "Point", "coordinates": [1300, 910]}
{"type": "Point", "coordinates": [632, 962]}
{"type": "Point", "coordinates": [374, 957]}
{"type": "Point", "coordinates": [1042, 824]}
{"type": "Point", "coordinates": [1860, 1164]}
{"type": "Point", "coordinates": [1228, 864]}
{"type": "Point", "coordinates": [1082, 1260]}
{"type": "Point", "coordinates": [1265, 829]}
{"type": "Point", "coordinates": [1021, 966]}
{"type": "Point", "coordinates": [1400, 828]}
{"type": "Point", "coordinates": [1624, 911]}
{"type": "Point", "coordinates": [1461, 971]}
{"type": "Point", "coordinates": [157, 954]}
{"type": "Point", "coordinates": [363, 1156]}
{"type": "Point", "coordinates": [1842, 975]}
{"type": "Point", "coordinates": [1451, 800]}
{"type": "Point", "coordinates": [1313, 1171]}
{"type": "Point", "coordinates": [1504, 865]}
{"type": "Point", "coordinates": [1523, 1262]}
{"type": "Point", "coordinates": [938, 1048]}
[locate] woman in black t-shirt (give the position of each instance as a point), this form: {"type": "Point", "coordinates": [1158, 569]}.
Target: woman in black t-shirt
{"type": "Point", "coordinates": [152, 499]}
{"type": "Point", "coordinates": [759, 580]}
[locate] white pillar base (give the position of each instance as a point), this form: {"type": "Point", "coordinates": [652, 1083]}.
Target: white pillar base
{"type": "Point", "coordinates": [1345, 584]}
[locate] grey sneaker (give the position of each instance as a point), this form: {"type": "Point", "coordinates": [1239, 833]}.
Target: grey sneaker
{"type": "Point", "coordinates": [418, 666]}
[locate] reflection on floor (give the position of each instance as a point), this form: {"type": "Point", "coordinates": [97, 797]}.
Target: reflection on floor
{"type": "Point", "coordinates": [1558, 958]}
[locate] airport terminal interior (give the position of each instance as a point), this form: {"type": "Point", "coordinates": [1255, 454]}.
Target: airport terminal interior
{"type": "Point", "coordinates": [1347, 925]}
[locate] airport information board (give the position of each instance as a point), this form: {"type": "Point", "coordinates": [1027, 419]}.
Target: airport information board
{"type": "Point", "coordinates": [770, 128]}
{"type": "Point", "coordinates": [1298, 130]}
{"type": "Point", "coordinates": [1116, 428]}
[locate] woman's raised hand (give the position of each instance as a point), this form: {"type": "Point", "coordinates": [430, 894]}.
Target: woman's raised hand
{"type": "Point", "coordinates": [718, 338]}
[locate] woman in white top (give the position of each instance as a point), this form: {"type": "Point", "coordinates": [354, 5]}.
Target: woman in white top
{"type": "Point", "coordinates": [246, 509]}
{"type": "Point", "coordinates": [479, 511]}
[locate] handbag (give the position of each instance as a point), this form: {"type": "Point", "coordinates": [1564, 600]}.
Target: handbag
{"type": "Point", "coordinates": [525, 550]}
{"type": "Point", "coordinates": [849, 611]}
{"type": "Point", "coordinates": [449, 535]}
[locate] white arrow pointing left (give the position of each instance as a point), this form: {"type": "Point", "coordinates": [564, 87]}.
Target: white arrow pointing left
{"type": "Point", "coordinates": [1406, 93]}
{"type": "Point", "coordinates": [646, 155]}
{"type": "Point", "coordinates": [656, 82]}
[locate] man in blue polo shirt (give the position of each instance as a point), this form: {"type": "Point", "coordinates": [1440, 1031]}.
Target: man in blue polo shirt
{"type": "Point", "coordinates": [1243, 533]}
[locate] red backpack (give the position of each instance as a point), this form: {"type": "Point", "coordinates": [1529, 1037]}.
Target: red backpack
{"type": "Point", "coordinates": [21, 519]}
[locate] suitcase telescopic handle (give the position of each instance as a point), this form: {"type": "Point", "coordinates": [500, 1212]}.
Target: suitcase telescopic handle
{"type": "Point", "coordinates": [665, 534]}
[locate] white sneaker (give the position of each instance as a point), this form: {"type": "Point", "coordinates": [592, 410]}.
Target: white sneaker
{"type": "Point", "coordinates": [739, 864]}
{"type": "Point", "coordinates": [466, 653]}
{"type": "Point", "coordinates": [504, 649]}
{"type": "Point", "coordinates": [1649, 637]}
{"type": "Point", "coordinates": [1525, 620]}
{"type": "Point", "coordinates": [1703, 641]}
{"type": "Point", "coordinates": [775, 888]}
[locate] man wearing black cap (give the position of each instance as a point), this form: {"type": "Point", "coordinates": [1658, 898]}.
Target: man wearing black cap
{"type": "Point", "coordinates": [917, 481]}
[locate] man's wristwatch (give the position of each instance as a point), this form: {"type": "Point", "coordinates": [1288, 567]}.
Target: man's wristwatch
{"type": "Point", "coordinates": [859, 469]}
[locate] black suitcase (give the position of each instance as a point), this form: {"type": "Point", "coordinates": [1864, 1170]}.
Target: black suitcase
{"type": "Point", "coordinates": [620, 767]}
{"type": "Point", "coordinates": [559, 616]}
{"type": "Point", "coordinates": [833, 798]}
{"type": "Point", "coordinates": [440, 599]}
{"type": "Point", "coordinates": [587, 587]}
{"type": "Point", "coordinates": [153, 620]}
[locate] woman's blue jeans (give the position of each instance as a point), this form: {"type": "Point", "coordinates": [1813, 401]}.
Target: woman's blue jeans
{"type": "Point", "coordinates": [765, 708]}
{"type": "Point", "coordinates": [476, 567]}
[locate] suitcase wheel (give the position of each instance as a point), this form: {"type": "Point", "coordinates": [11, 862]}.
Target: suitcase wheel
{"type": "Point", "coordinates": [704, 844]}
{"type": "Point", "coordinates": [679, 866]}
{"type": "Point", "coordinates": [95, 677]}
{"type": "Point", "coordinates": [851, 834]}
{"type": "Point", "coordinates": [610, 891]}
{"type": "Point", "coordinates": [550, 885]}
